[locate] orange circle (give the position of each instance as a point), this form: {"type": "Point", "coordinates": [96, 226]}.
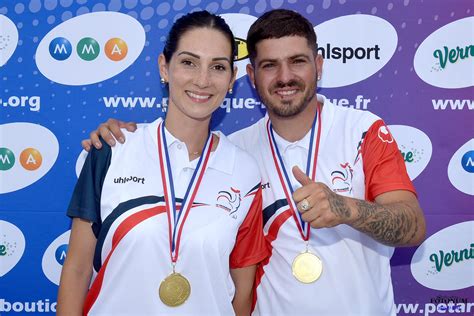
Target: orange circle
{"type": "Point", "coordinates": [31, 159]}
{"type": "Point", "coordinates": [116, 49]}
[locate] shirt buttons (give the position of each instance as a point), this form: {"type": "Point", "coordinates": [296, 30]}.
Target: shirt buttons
{"type": "Point", "coordinates": [180, 146]}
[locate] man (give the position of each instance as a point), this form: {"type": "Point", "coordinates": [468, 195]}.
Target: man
{"type": "Point", "coordinates": [336, 195]}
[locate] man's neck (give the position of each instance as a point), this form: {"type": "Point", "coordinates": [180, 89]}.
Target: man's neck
{"type": "Point", "coordinates": [294, 128]}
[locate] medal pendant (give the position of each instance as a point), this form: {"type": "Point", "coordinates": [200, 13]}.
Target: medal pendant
{"type": "Point", "coordinates": [174, 290]}
{"type": "Point", "coordinates": [307, 267]}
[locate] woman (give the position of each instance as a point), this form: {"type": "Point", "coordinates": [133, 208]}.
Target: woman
{"type": "Point", "coordinates": [168, 223]}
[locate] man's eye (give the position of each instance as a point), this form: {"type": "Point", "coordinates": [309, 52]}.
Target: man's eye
{"type": "Point", "coordinates": [268, 65]}
{"type": "Point", "coordinates": [299, 61]}
{"type": "Point", "coordinates": [219, 67]}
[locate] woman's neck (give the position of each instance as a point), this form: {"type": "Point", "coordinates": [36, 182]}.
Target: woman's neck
{"type": "Point", "coordinates": [192, 132]}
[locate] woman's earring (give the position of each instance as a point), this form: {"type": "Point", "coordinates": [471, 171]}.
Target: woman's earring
{"type": "Point", "coordinates": [231, 91]}
{"type": "Point", "coordinates": [319, 77]}
{"type": "Point", "coordinates": [162, 80]}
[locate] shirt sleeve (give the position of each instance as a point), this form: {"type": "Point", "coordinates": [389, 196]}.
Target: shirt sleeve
{"type": "Point", "coordinates": [85, 201]}
{"type": "Point", "coordinates": [250, 247]}
{"type": "Point", "coordinates": [384, 167]}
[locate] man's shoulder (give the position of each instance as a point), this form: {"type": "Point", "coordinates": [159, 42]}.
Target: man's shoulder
{"type": "Point", "coordinates": [248, 137]}
{"type": "Point", "coordinates": [353, 118]}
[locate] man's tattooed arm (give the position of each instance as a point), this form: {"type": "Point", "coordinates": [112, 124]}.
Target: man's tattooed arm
{"type": "Point", "coordinates": [395, 219]}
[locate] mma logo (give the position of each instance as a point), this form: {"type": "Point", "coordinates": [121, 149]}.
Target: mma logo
{"type": "Point", "coordinates": [229, 201]}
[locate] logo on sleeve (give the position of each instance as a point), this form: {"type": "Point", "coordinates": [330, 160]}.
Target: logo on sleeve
{"type": "Point", "coordinates": [384, 134]}
{"type": "Point", "coordinates": [342, 179]}
{"type": "Point", "coordinates": [229, 201]}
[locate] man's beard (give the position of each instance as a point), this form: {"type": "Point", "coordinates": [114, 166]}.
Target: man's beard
{"type": "Point", "coordinates": [286, 109]}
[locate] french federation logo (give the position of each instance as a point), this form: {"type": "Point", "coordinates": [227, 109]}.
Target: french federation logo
{"type": "Point", "coordinates": [385, 135]}
{"type": "Point", "coordinates": [342, 179]}
{"type": "Point", "coordinates": [229, 201]}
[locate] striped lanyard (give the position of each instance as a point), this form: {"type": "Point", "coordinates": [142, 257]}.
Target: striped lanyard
{"type": "Point", "coordinates": [311, 163]}
{"type": "Point", "coordinates": [176, 218]}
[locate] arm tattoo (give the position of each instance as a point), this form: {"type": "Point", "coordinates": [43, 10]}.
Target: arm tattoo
{"type": "Point", "coordinates": [338, 205]}
{"type": "Point", "coordinates": [389, 224]}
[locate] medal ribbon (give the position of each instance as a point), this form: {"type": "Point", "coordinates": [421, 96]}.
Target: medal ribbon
{"type": "Point", "coordinates": [176, 218]}
{"type": "Point", "coordinates": [311, 164]}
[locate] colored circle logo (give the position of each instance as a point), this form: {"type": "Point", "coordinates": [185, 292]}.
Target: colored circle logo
{"type": "Point", "coordinates": [88, 49]}
{"type": "Point", "coordinates": [60, 48]}
{"type": "Point", "coordinates": [467, 161]}
{"type": "Point", "coordinates": [60, 254]}
{"type": "Point", "coordinates": [31, 159]}
{"type": "Point", "coordinates": [116, 49]}
{"type": "Point", "coordinates": [7, 159]}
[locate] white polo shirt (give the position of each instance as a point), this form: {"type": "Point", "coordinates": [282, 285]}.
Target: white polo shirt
{"type": "Point", "coordinates": [120, 192]}
{"type": "Point", "coordinates": [358, 158]}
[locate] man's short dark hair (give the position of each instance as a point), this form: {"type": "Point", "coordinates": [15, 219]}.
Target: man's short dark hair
{"type": "Point", "coordinates": [276, 24]}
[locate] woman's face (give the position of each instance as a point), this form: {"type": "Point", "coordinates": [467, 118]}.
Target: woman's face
{"type": "Point", "coordinates": [199, 73]}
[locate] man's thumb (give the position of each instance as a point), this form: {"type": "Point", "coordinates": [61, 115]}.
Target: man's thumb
{"type": "Point", "coordinates": [300, 176]}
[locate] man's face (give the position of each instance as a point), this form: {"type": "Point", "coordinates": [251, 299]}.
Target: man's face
{"type": "Point", "coordinates": [284, 74]}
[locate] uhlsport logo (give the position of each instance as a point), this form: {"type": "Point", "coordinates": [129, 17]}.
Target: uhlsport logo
{"type": "Point", "coordinates": [445, 59]}
{"type": "Point", "coordinates": [12, 246]}
{"type": "Point", "coordinates": [93, 47]}
{"type": "Point", "coordinates": [229, 200]}
{"type": "Point", "coordinates": [445, 260]}
{"type": "Point", "coordinates": [415, 147]}
{"type": "Point", "coordinates": [341, 178]}
{"type": "Point", "coordinates": [27, 153]}
{"type": "Point", "coordinates": [54, 256]}
{"type": "Point", "coordinates": [461, 168]}
{"type": "Point", "coordinates": [8, 39]}
{"type": "Point", "coordinates": [354, 48]}
{"type": "Point", "coordinates": [240, 24]}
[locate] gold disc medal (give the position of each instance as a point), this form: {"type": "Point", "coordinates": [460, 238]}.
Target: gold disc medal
{"type": "Point", "coordinates": [307, 267]}
{"type": "Point", "coordinates": [174, 290]}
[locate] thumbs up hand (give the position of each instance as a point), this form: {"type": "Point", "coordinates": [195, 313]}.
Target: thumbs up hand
{"type": "Point", "coordinates": [319, 206]}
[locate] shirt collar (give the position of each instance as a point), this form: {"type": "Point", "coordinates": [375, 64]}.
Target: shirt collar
{"type": "Point", "coordinates": [222, 159]}
{"type": "Point", "coordinates": [327, 115]}
{"type": "Point", "coordinates": [284, 145]}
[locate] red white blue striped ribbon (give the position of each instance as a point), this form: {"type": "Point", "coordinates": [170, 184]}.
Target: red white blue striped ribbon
{"type": "Point", "coordinates": [311, 164]}
{"type": "Point", "coordinates": [176, 218]}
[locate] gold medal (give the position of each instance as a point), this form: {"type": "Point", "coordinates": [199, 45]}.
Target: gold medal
{"type": "Point", "coordinates": [307, 267]}
{"type": "Point", "coordinates": [174, 290]}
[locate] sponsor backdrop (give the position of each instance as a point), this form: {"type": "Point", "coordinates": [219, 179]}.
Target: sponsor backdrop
{"type": "Point", "coordinates": [66, 66]}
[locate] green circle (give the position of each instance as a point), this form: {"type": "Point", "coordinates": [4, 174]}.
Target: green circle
{"type": "Point", "coordinates": [7, 159]}
{"type": "Point", "coordinates": [88, 49]}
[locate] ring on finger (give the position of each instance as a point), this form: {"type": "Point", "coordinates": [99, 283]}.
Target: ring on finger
{"type": "Point", "coordinates": [304, 205]}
